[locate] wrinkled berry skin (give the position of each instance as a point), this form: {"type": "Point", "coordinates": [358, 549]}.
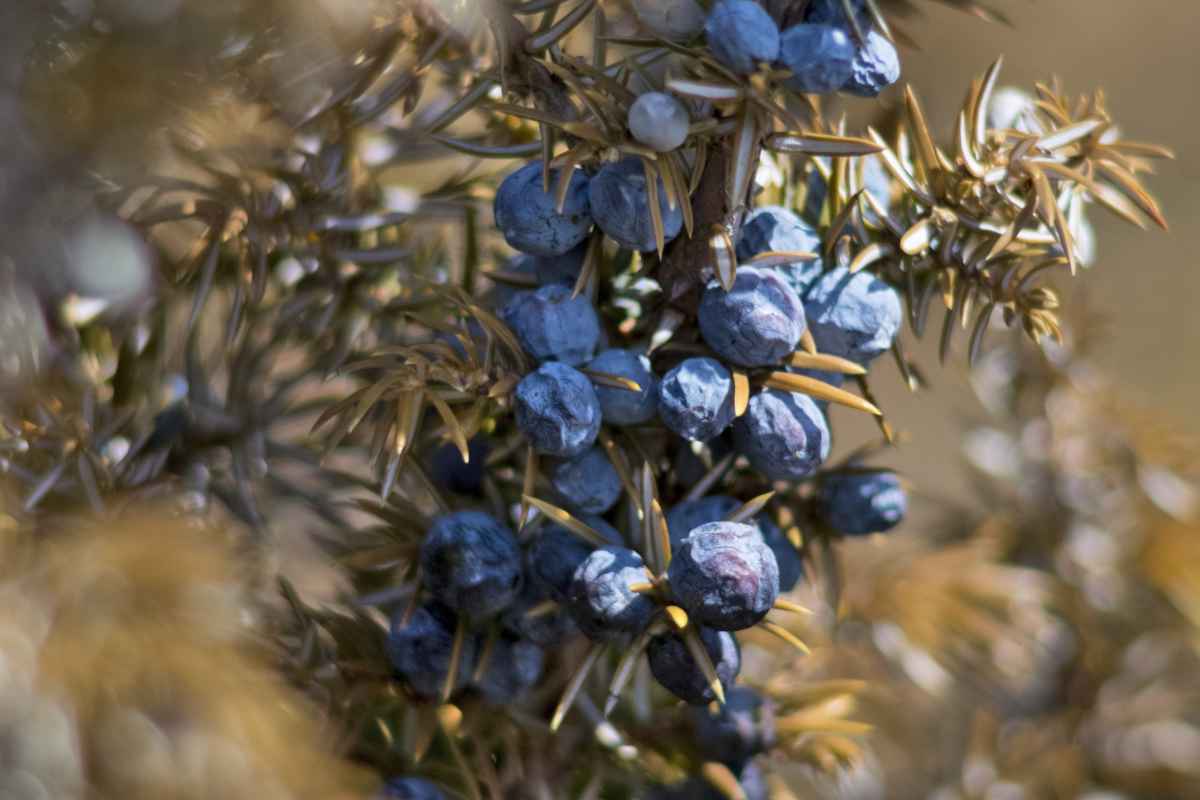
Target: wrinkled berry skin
{"type": "Point", "coordinates": [672, 664]}
{"type": "Point", "coordinates": [853, 315]}
{"type": "Point", "coordinates": [557, 410]}
{"type": "Point", "coordinates": [513, 668]}
{"type": "Point", "coordinates": [858, 503]}
{"type": "Point", "coordinates": [601, 602]}
{"type": "Point", "coordinates": [675, 20]}
{"type": "Point", "coordinates": [472, 563]}
{"type": "Point", "coordinates": [876, 67]}
{"type": "Point", "coordinates": [420, 650]}
{"type": "Point", "coordinates": [821, 57]}
{"type": "Point", "coordinates": [556, 553]}
{"type": "Point", "coordinates": [741, 34]}
{"type": "Point", "coordinates": [451, 474]}
{"type": "Point", "coordinates": [724, 575]}
{"type": "Point", "coordinates": [621, 206]}
{"type": "Point", "coordinates": [784, 434]}
{"type": "Point", "coordinates": [623, 406]}
{"type": "Point", "coordinates": [778, 229]}
{"type": "Point", "coordinates": [551, 325]}
{"type": "Point", "coordinates": [410, 789]}
{"type": "Point", "coordinates": [692, 514]}
{"type": "Point", "coordinates": [740, 730]}
{"type": "Point", "coordinates": [756, 323]}
{"type": "Point", "coordinates": [545, 629]}
{"type": "Point", "coordinates": [527, 217]}
{"type": "Point", "coordinates": [589, 482]}
{"type": "Point", "coordinates": [659, 121]}
{"type": "Point", "coordinates": [695, 399]}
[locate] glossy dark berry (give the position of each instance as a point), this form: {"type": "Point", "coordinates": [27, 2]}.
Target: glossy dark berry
{"type": "Point", "coordinates": [685, 516]}
{"type": "Point", "coordinates": [589, 482]}
{"type": "Point", "coordinates": [695, 399]}
{"type": "Point", "coordinates": [724, 575]}
{"type": "Point", "coordinates": [410, 789]}
{"type": "Point", "coordinates": [601, 600]}
{"type": "Point", "coordinates": [513, 667]}
{"type": "Point", "coordinates": [876, 66]}
{"type": "Point", "coordinates": [739, 730]}
{"type": "Point", "coordinates": [659, 121]}
{"type": "Point", "coordinates": [853, 315]}
{"type": "Point", "coordinates": [557, 410]}
{"type": "Point", "coordinates": [783, 434]}
{"type": "Point", "coordinates": [821, 57]}
{"type": "Point", "coordinates": [450, 473]}
{"type": "Point", "coordinates": [621, 206]}
{"type": "Point", "coordinates": [672, 664]}
{"type": "Point", "coordinates": [858, 503]}
{"type": "Point", "coordinates": [756, 323]}
{"type": "Point", "coordinates": [551, 325]}
{"type": "Point", "coordinates": [472, 563]}
{"type": "Point", "coordinates": [741, 35]}
{"type": "Point", "coordinates": [624, 406]}
{"type": "Point", "coordinates": [527, 216]}
{"type": "Point", "coordinates": [421, 647]}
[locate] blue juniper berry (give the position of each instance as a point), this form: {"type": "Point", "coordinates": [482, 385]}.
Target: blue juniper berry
{"type": "Point", "coordinates": [853, 315]}
{"type": "Point", "coordinates": [695, 399]}
{"type": "Point", "coordinates": [530, 618]}
{"type": "Point", "coordinates": [783, 434]}
{"type": "Point", "coordinates": [756, 323]}
{"type": "Point", "coordinates": [450, 473]}
{"type": "Point", "coordinates": [876, 66]}
{"type": "Point", "coordinates": [557, 410]}
{"type": "Point", "coordinates": [420, 648]}
{"type": "Point", "coordinates": [659, 121]}
{"type": "Point", "coordinates": [589, 482]}
{"type": "Point", "coordinates": [624, 406]}
{"type": "Point", "coordinates": [527, 215]}
{"type": "Point", "coordinates": [833, 12]}
{"type": "Point", "coordinates": [821, 57]}
{"type": "Point", "coordinates": [601, 600]}
{"type": "Point", "coordinates": [741, 34]}
{"type": "Point", "coordinates": [672, 665]}
{"type": "Point", "coordinates": [621, 205]}
{"type": "Point", "coordinates": [739, 730]}
{"type": "Point", "coordinates": [513, 667]}
{"type": "Point", "coordinates": [556, 553]}
{"type": "Point", "coordinates": [724, 575]}
{"type": "Point", "coordinates": [472, 563]}
{"type": "Point", "coordinates": [780, 230]}
{"type": "Point", "coordinates": [551, 325]}
{"type": "Point", "coordinates": [410, 789]}
{"type": "Point", "coordinates": [858, 503]}
{"type": "Point", "coordinates": [562, 269]}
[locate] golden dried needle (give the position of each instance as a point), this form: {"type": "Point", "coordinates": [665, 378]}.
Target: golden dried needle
{"type": "Point", "coordinates": [776, 258]}
{"type": "Point", "coordinates": [575, 684]}
{"type": "Point", "coordinates": [724, 256]}
{"type": "Point", "coordinates": [722, 778]}
{"type": "Point", "coordinates": [649, 534]}
{"type": "Point", "coordinates": [646, 587]}
{"type": "Point", "coordinates": [807, 343]}
{"type": "Point", "coordinates": [825, 362]}
{"type": "Point", "coordinates": [624, 670]}
{"type": "Point", "coordinates": [564, 518]}
{"type": "Point", "coordinates": [541, 609]}
{"type": "Point", "coordinates": [695, 646]}
{"type": "Point", "coordinates": [873, 252]}
{"type": "Point", "coordinates": [485, 657]}
{"type": "Point", "coordinates": [783, 633]}
{"type": "Point", "coordinates": [614, 381]}
{"type": "Point", "coordinates": [783, 604]}
{"type": "Point", "coordinates": [677, 617]}
{"type": "Point", "coordinates": [450, 719]}
{"type": "Point", "coordinates": [751, 507]}
{"type": "Point", "coordinates": [815, 388]}
{"type": "Point", "coordinates": [460, 634]}
{"type": "Point", "coordinates": [741, 393]}
{"type": "Point", "coordinates": [664, 533]}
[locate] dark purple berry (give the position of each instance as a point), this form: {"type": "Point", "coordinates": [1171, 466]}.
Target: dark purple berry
{"type": "Point", "coordinates": [783, 434]}
{"type": "Point", "coordinates": [778, 229]}
{"type": "Point", "coordinates": [695, 399]}
{"type": "Point", "coordinates": [741, 34]}
{"type": "Point", "coordinates": [512, 668]}
{"type": "Point", "coordinates": [620, 204]}
{"type": "Point", "coordinates": [625, 406]}
{"type": "Point", "coordinates": [601, 600]}
{"type": "Point", "coordinates": [529, 618]}
{"type": "Point", "coordinates": [739, 730]}
{"type": "Point", "coordinates": [472, 563]}
{"type": "Point", "coordinates": [551, 325]}
{"type": "Point", "coordinates": [589, 482]}
{"type": "Point", "coordinates": [451, 474]}
{"type": "Point", "coordinates": [756, 323]}
{"type": "Point", "coordinates": [672, 664]}
{"type": "Point", "coordinates": [858, 503]}
{"type": "Point", "coordinates": [525, 213]}
{"type": "Point", "coordinates": [557, 410]}
{"type": "Point", "coordinates": [420, 649]}
{"type": "Point", "coordinates": [724, 575]}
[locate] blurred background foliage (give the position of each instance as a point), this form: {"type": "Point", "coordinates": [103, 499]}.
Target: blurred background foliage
{"type": "Point", "coordinates": [1030, 633]}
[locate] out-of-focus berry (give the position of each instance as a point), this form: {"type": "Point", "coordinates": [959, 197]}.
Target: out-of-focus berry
{"type": "Point", "coordinates": [876, 66]}
{"type": "Point", "coordinates": [741, 34]}
{"type": "Point", "coordinates": [672, 664]}
{"type": "Point", "coordinates": [621, 206]}
{"type": "Point", "coordinates": [450, 473]}
{"type": "Point", "coordinates": [784, 434]}
{"type": "Point", "coordinates": [659, 121]}
{"type": "Point", "coordinates": [513, 667]}
{"type": "Point", "coordinates": [676, 20]}
{"type": "Point", "coordinates": [589, 482]}
{"type": "Point", "coordinates": [695, 399]}
{"type": "Point", "coordinates": [410, 789]}
{"type": "Point", "coordinates": [420, 649]}
{"type": "Point", "coordinates": [754, 324]}
{"type": "Point", "coordinates": [821, 57]}
{"type": "Point", "coordinates": [724, 575]}
{"type": "Point", "coordinates": [601, 600]}
{"type": "Point", "coordinates": [858, 503]}
{"type": "Point", "coordinates": [472, 563]}
{"type": "Point", "coordinates": [739, 730]}
{"type": "Point", "coordinates": [557, 410]}
{"type": "Point", "coordinates": [527, 216]}
{"type": "Point", "coordinates": [624, 406]}
{"type": "Point", "coordinates": [551, 325]}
